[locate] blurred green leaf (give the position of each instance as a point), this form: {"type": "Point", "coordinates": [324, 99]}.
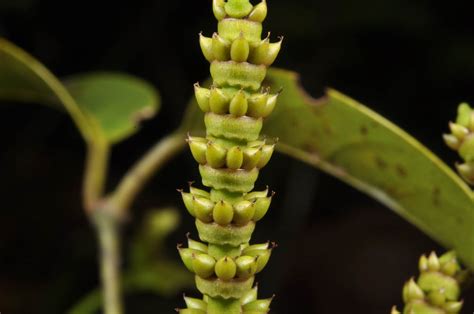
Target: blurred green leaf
{"type": "Point", "coordinates": [351, 142]}
{"type": "Point", "coordinates": [23, 78]}
{"type": "Point", "coordinates": [104, 106]}
{"type": "Point", "coordinates": [148, 244]}
{"type": "Point", "coordinates": [118, 101]}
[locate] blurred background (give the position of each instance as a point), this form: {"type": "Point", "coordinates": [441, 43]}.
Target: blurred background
{"type": "Point", "coordinates": [339, 251]}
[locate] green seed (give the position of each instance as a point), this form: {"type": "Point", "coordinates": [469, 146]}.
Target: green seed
{"type": "Point", "coordinates": [423, 263]}
{"type": "Point", "coordinates": [243, 212]}
{"type": "Point", "coordinates": [261, 246]}
{"type": "Point", "coordinates": [394, 310]}
{"type": "Point", "coordinates": [258, 305]}
{"type": "Point", "coordinates": [196, 304]}
{"type": "Point", "coordinates": [239, 51]}
{"type": "Point", "coordinates": [251, 157]}
{"type": "Point", "coordinates": [238, 105]}
{"type": "Point", "coordinates": [266, 52]}
{"type": "Point", "coordinates": [198, 192]}
{"type": "Point", "coordinates": [411, 291]}
{"type": "Point", "coordinates": [226, 268]}
{"type": "Point", "coordinates": [186, 255]}
{"type": "Point", "coordinates": [269, 106]}
{"type": "Point", "coordinates": [206, 47]}
{"type": "Point", "coordinates": [466, 150]}
{"type": "Point", "coordinates": [202, 97]}
{"type": "Point", "coordinates": [218, 9]}
{"type": "Point", "coordinates": [223, 213]}
{"type": "Point", "coordinates": [466, 170]}
{"type": "Point", "coordinates": [215, 155]}
{"type": "Point", "coordinates": [246, 266]}
{"type": "Point", "coordinates": [196, 245]}
{"type": "Point", "coordinates": [451, 141]}
{"type": "Point", "coordinates": [273, 51]}
{"type": "Point", "coordinates": [203, 265]}
{"type": "Point", "coordinates": [188, 202]}
{"type": "Point", "coordinates": [259, 54]}
{"type": "Point", "coordinates": [437, 298]}
{"type": "Point", "coordinates": [453, 307]}
{"type": "Point", "coordinates": [255, 195]}
{"type": "Point", "coordinates": [257, 103]}
{"type": "Point", "coordinates": [259, 12]}
{"type": "Point", "coordinates": [267, 152]}
{"type": "Point", "coordinates": [220, 48]}
{"type": "Point", "coordinates": [263, 257]}
{"type": "Point", "coordinates": [433, 262]}
{"type": "Point", "coordinates": [458, 130]}
{"type": "Point", "coordinates": [261, 207]}
{"type": "Point", "coordinates": [249, 296]}
{"type": "Point", "coordinates": [218, 101]}
{"type": "Point", "coordinates": [450, 268]}
{"type": "Point", "coordinates": [203, 208]}
{"type": "Point", "coordinates": [198, 150]}
{"type": "Point", "coordinates": [235, 158]}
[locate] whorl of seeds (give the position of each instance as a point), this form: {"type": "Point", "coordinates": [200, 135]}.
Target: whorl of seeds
{"type": "Point", "coordinates": [437, 289]}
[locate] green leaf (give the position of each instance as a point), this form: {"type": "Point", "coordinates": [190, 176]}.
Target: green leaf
{"type": "Point", "coordinates": [23, 78]}
{"type": "Point", "coordinates": [106, 107]}
{"type": "Point", "coordinates": [118, 101]}
{"type": "Point", "coordinates": [351, 142]}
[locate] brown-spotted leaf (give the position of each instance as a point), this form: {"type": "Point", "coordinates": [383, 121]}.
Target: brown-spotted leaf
{"type": "Point", "coordinates": [351, 142]}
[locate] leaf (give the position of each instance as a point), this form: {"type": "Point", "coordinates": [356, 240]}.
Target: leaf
{"type": "Point", "coordinates": [23, 78]}
{"type": "Point", "coordinates": [104, 106]}
{"type": "Point", "coordinates": [351, 142]}
{"type": "Point", "coordinates": [118, 101]}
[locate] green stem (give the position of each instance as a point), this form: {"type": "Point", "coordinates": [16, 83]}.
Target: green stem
{"type": "Point", "coordinates": [219, 251]}
{"type": "Point", "coordinates": [95, 173]}
{"type": "Point", "coordinates": [107, 212]}
{"type": "Point", "coordinates": [222, 306]}
{"type": "Point", "coordinates": [109, 240]}
{"type": "Point", "coordinates": [134, 180]}
{"type": "Point", "coordinates": [114, 209]}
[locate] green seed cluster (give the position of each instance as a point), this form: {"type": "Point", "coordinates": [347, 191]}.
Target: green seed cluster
{"type": "Point", "coordinates": [253, 207]}
{"type": "Point", "coordinates": [437, 289]}
{"type": "Point", "coordinates": [240, 266]}
{"type": "Point", "coordinates": [249, 302]}
{"type": "Point", "coordinates": [230, 158]}
{"type": "Point", "coordinates": [222, 101]}
{"type": "Point", "coordinates": [461, 140]}
{"type": "Point", "coordinates": [255, 154]}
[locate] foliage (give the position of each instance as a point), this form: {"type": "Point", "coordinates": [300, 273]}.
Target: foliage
{"type": "Point", "coordinates": [351, 142]}
{"type": "Point", "coordinates": [335, 134]}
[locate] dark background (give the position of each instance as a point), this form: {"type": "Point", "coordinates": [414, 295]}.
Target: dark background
{"type": "Point", "coordinates": [339, 251]}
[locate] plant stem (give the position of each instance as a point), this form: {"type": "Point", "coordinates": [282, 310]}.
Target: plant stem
{"type": "Point", "coordinates": [108, 212]}
{"type": "Point", "coordinates": [222, 306]}
{"type": "Point", "coordinates": [141, 172]}
{"type": "Point", "coordinates": [95, 173]}
{"type": "Point", "coordinates": [109, 240]}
